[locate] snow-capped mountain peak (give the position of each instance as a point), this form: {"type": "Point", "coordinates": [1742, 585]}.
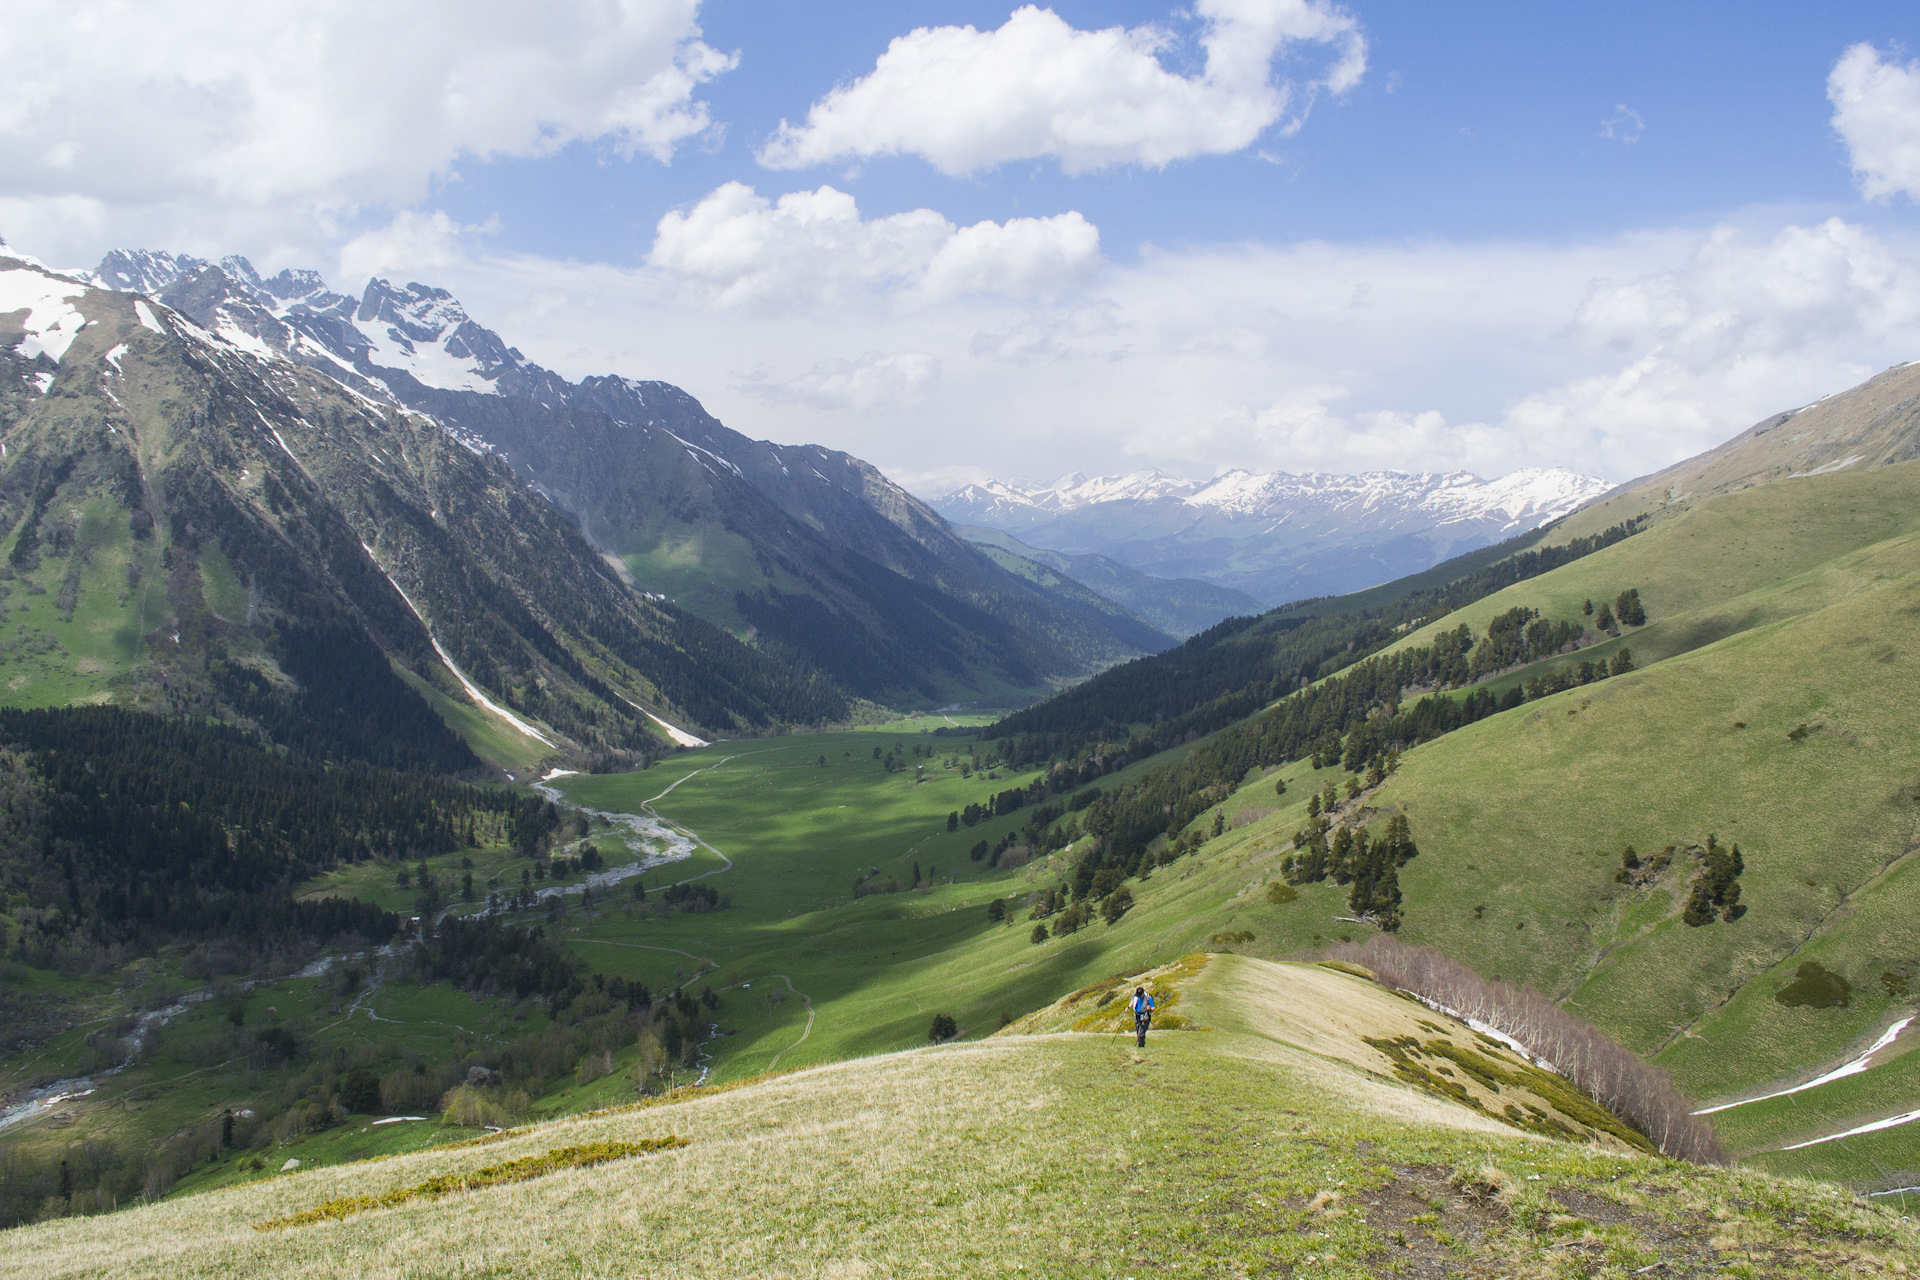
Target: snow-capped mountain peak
{"type": "Point", "coordinates": [412, 332]}
{"type": "Point", "coordinates": [1277, 534]}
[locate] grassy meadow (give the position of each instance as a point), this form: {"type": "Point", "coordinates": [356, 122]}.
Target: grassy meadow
{"type": "Point", "coordinates": [1245, 1146]}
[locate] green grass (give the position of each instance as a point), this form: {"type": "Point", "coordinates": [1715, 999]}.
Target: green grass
{"type": "Point", "coordinates": [1238, 1150]}
{"type": "Point", "coordinates": [1798, 605]}
{"type": "Point", "coordinates": [50, 659]}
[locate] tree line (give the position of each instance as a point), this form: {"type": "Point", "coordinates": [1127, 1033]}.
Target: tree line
{"type": "Point", "coordinates": [1241, 664]}
{"type": "Point", "coordinates": [1615, 1078]}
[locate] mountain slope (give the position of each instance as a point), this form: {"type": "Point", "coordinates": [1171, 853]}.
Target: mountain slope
{"type": "Point", "coordinates": [264, 529]}
{"type": "Point", "coordinates": [1278, 537]}
{"type": "Point", "coordinates": [810, 553]}
{"type": "Point", "coordinates": [1875, 424]}
{"type": "Point", "coordinates": [1178, 606]}
{"type": "Point", "coordinates": [1766, 706]}
{"type": "Point", "coordinates": [1243, 1148]}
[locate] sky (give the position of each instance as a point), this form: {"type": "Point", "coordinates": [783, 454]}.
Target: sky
{"type": "Point", "coordinates": [968, 241]}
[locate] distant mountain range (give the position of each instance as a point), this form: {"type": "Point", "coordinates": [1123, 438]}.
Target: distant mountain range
{"type": "Point", "coordinates": [1276, 537]}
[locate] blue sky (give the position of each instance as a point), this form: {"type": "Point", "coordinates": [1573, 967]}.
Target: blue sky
{"type": "Point", "coordinates": [1282, 234]}
{"type": "Point", "coordinates": [1473, 121]}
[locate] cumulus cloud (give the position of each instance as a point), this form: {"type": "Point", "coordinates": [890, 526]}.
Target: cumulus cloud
{"type": "Point", "coordinates": [967, 100]}
{"type": "Point", "coordinates": [205, 105]}
{"type": "Point", "coordinates": [736, 249]}
{"type": "Point", "coordinates": [1876, 109]}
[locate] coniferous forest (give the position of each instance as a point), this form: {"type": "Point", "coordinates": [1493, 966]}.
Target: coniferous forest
{"type": "Point", "coordinates": [126, 832]}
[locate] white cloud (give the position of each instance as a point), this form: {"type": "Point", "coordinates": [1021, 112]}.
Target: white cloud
{"type": "Point", "coordinates": [873, 382]}
{"type": "Point", "coordinates": [412, 242]}
{"type": "Point", "coordinates": [1624, 125]}
{"type": "Point", "coordinates": [967, 100]}
{"type": "Point", "coordinates": [1876, 109]}
{"type": "Point", "coordinates": [735, 249]}
{"type": "Point", "coordinates": [1613, 357]}
{"type": "Point", "coordinates": [227, 110]}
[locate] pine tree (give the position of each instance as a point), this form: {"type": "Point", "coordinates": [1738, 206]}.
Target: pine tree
{"type": "Point", "coordinates": [1340, 856]}
{"type": "Point", "coordinates": [1605, 621]}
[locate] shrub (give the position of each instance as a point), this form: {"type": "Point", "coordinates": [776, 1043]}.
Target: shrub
{"type": "Point", "coordinates": [1038, 936]}
{"type": "Point", "coordinates": [1814, 987]}
{"type": "Point", "coordinates": [944, 1028]}
{"type": "Point", "coordinates": [360, 1092]}
{"type": "Point", "coordinates": [997, 910]}
{"type": "Point", "coordinates": [465, 1105]}
{"type": "Point", "coordinates": [1280, 892]}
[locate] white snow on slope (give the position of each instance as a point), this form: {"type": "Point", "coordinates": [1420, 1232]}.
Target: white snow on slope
{"type": "Point", "coordinates": [1853, 1068]}
{"type": "Point", "coordinates": [52, 321]}
{"type": "Point", "coordinates": [147, 318]}
{"type": "Point", "coordinates": [680, 736]}
{"type": "Point", "coordinates": [1889, 1123]}
{"type": "Point", "coordinates": [430, 362]}
{"type": "Point", "coordinates": [473, 690]}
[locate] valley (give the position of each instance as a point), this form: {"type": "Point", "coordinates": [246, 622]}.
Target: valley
{"type": "Point", "coordinates": [507, 844]}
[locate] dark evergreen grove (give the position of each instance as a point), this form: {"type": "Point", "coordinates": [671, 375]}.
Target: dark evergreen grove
{"type": "Point", "coordinates": [1716, 890]}
{"type": "Point", "coordinates": [124, 832]}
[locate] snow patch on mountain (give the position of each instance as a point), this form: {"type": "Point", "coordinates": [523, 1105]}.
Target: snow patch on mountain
{"type": "Point", "coordinates": [52, 322]}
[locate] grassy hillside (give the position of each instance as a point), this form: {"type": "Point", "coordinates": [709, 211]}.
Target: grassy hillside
{"type": "Point", "coordinates": [1243, 1147]}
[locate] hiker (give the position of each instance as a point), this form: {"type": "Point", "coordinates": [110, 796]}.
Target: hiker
{"type": "Point", "coordinates": [1142, 1013]}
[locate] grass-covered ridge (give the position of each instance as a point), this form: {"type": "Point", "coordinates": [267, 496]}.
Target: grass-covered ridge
{"type": "Point", "coordinates": [1252, 1146]}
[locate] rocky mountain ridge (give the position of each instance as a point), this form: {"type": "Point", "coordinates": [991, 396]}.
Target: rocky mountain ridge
{"type": "Point", "coordinates": [807, 552]}
{"type": "Point", "coordinates": [290, 553]}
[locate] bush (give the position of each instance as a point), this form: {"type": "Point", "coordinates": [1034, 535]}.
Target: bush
{"type": "Point", "coordinates": [360, 1092]}
{"type": "Point", "coordinates": [467, 1106]}
{"type": "Point", "coordinates": [1280, 892]}
{"type": "Point", "coordinates": [1038, 936]}
{"type": "Point", "coordinates": [997, 910]}
{"type": "Point", "coordinates": [944, 1028]}
{"type": "Point", "coordinates": [1814, 987]}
